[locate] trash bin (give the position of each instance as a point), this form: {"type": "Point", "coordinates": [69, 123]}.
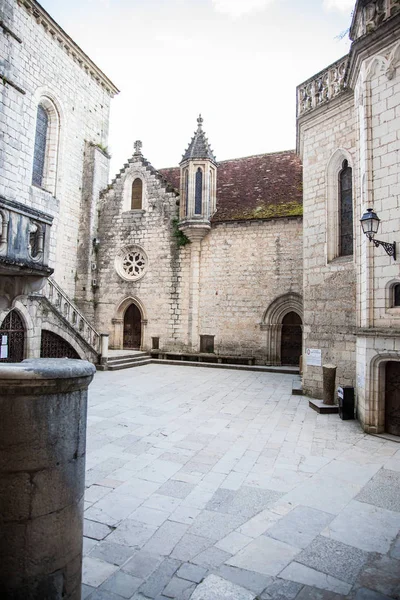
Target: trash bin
{"type": "Point", "coordinates": [346, 402]}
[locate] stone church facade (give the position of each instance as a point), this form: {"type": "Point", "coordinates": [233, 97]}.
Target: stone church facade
{"type": "Point", "coordinates": [210, 258]}
{"type": "Point", "coordinates": [349, 142]}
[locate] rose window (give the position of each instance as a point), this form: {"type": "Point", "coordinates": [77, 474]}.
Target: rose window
{"type": "Point", "coordinates": [131, 263]}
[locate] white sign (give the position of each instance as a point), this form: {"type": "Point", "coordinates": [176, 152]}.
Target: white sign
{"type": "Point", "coordinates": [3, 351]}
{"type": "Point", "coordinates": [340, 393]}
{"type": "Point", "coordinates": [314, 357]}
{"type": "Point", "coordinates": [4, 340]}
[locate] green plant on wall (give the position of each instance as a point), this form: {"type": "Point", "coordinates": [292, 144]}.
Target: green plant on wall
{"type": "Point", "coordinates": [180, 237]}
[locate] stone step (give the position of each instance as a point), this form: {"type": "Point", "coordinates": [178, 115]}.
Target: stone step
{"type": "Point", "coordinates": [262, 368]}
{"type": "Point", "coordinates": [297, 388]}
{"type": "Point", "coordinates": [129, 365]}
{"type": "Point", "coordinates": [119, 360]}
{"type": "Point", "coordinates": [321, 408]}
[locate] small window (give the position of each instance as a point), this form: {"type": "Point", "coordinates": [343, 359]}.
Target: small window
{"type": "Point", "coordinates": [137, 194]}
{"type": "Point", "coordinates": [155, 343]}
{"type": "Point", "coordinates": [39, 156]}
{"type": "Point", "coordinates": [207, 344]}
{"type": "Point", "coordinates": [199, 192]}
{"type": "Point", "coordinates": [396, 294]}
{"type": "Point", "coordinates": [346, 210]}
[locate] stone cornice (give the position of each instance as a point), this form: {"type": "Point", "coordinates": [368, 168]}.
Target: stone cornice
{"type": "Point", "coordinates": [69, 46]}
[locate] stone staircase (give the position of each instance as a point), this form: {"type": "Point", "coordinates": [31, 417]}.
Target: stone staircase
{"type": "Point", "coordinates": [127, 361]}
{"type": "Point", "coordinates": [72, 319]}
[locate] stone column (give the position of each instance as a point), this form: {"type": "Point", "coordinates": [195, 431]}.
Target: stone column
{"type": "Point", "coordinates": [329, 378]}
{"type": "Point", "coordinates": [43, 405]}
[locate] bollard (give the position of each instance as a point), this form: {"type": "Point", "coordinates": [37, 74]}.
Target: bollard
{"type": "Point", "coordinates": [43, 407]}
{"type": "Point", "coordinates": [329, 377]}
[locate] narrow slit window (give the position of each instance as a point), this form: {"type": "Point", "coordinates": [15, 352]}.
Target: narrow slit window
{"type": "Point", "coordinates": [39, 156]}
{"type": "Point", "coordinates": [137, 194]}
{"type": "Point", "coordinates": [187, 191]}
{"type": "Point", "coordinates": [346, 210]}
{"type": "Point", "coordinates": [199, 192]}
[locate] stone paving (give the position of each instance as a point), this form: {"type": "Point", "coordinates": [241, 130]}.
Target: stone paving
{"type": "Point", "coordinates": [220, 485]}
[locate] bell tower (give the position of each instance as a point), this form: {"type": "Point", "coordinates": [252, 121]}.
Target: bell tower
{"type": "Point", "coordinates": [198, 186]}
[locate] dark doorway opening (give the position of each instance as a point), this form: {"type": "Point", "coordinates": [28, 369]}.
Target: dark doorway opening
{"type": "Point", "coordinates": [54, 346]}
{"type": "Point", "coordinates": [12, 338]}
{"type": "Point", "coordinates": [292, 339]}
{"type": "Point", "coordinates": [392, 398]}
{"type": "Point", "coordinates": [207, 344]}
{"type": "Point", "coordinates": [132, 328]}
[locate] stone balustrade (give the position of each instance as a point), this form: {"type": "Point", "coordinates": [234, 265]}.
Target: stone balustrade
{"type": "Point", "coordinates": [372, 15]}
{"type": "Point", "coordinates": [67, 309]}
{"type": "Point", "coordinates": [24, 239]}
{"type": "Point", "coordinates": [323, 87]}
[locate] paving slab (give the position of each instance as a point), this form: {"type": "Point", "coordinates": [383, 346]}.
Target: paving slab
{"type": "Point", "coordinates": [191, 572]}
{"type": "Point", "coordinates": [216, 588]}
{"type": "Point", "coordinates": [334, 558]}
{"type": "Point", "coordinates": [300, 526]}
{"type": "Point", "coordinates": [311, 577]}
{"type": "Point", "coordinates": [115, 554]}
{"type": "Point", "coordinates": [365, 594]}
{"type": "Point", "coordinates": [211, 558]}
{"type": "Point", "coordinates": [178, 588]}
{"type": "Point", "coordinates": [382, 490]}
{"type": "Point", "coordinates": [365, 526]}
{"type": "Point", "coordinates": [122, 584]}
{"type": "Point", "coordinates": [215, 525]}
{"type": "Point", "coordinates": [96, 571]}
{"type": "Point", "coordinates": [95, 531]}
{"type": "Point", "coordinates": [264, 555]}
{"type": "Point", "coordinates": [255, 582]}
{"type": "Point", "coordinates": [281, 589]}
{"type": "Point", "coordinates": [166, 538]}
{"type": "Point", "coordinates": [143, 564]}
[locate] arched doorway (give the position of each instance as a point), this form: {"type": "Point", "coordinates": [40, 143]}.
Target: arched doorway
{"type": "Point", "coordinates": [291, 339]}
{"type": "Point", "coordinates": [54, 346]}
{"type": "Point", "coordinates": [132, 328]}
{"type": "Point", "coordinates": [392, 398]}
{"type": "Point", "coordinates": [12, 338]}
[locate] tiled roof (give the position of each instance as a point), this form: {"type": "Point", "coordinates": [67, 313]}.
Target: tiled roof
{"type": "Point", "coordinates": [255, 187]}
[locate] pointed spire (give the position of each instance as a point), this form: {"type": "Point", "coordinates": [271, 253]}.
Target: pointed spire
{"type": "Point", "coordinates": [199, 146]}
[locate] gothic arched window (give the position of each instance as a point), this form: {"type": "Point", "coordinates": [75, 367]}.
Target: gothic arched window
{"type": "Point", "coordinates": [186, 192]}
{"type": "Point", "coordinates": [199, 192]}
{"type": "Point", "coordinates": [137, 194]}
{"type": "Point", "coordinates": [345, 210]}
{"type": "Point", "coordinates": [39, 156]}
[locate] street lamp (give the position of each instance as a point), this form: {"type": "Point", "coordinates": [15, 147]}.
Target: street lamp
{"type": "Point", "coordinates": [370, 225]}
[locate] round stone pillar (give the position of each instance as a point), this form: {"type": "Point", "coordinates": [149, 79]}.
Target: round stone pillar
{"type": "Point", "coordinates": [43, 406]}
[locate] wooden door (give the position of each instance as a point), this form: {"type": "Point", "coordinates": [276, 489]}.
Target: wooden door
{"type": "Point", "coordinates": [392, 398]}
{"type": "Point", "coordinates": [132, 328]}
{"type": "Point", "coordinates": [291, 340]}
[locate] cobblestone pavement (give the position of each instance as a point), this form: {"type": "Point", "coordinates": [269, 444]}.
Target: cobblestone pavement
{"type": "Point", "coordinates": [220, 485]}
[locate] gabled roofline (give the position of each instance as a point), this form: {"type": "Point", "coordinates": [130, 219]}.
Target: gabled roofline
{"type": "Point", "coordinates": [69, 46]}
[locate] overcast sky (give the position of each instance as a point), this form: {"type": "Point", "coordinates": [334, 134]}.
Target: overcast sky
{"type": "Point", "coordinates": [236, 61]}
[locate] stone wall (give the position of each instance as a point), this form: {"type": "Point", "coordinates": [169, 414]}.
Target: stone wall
{"type": "Point", "coordinates": [327, 136]}
{"type": "Point", "coordinates": [245, 266]}
{"type": "Point", "coordinates": [42, 62]}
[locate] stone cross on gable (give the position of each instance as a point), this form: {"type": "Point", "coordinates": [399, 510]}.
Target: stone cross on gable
{"type": "Point", "coordinates": [138, 147]}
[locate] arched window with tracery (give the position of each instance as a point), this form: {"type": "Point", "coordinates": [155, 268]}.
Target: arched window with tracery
{"type": "Point", "coordinates": [199, 192]}
{"type": "Point", "coordinates": [137, 194]}
{"type": "Point", "coordinates": [39, 155]}
{"type": "Point", "coordinates": [346, 210]}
